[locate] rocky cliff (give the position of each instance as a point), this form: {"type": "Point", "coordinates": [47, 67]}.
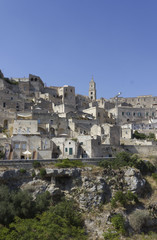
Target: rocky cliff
{"type": "Point", "coordinates": [92, 188]}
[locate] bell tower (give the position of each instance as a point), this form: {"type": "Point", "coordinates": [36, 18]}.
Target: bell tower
{"type": "Point", "coordinates": [92, 90]}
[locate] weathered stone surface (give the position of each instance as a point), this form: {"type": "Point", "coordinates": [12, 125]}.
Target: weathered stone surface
{"type": "Point", "coordinates": [134, 181]}
{"type": "Point", "coordinates": [35, 187]}
{"type": "Point", "coordinates": [88, 188]}
{"type": "Point", "coordinates": [93, 192]}
{"type": "Point", "coordinates": [71, 172]}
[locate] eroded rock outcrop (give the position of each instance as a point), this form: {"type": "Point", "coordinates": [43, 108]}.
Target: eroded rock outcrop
{"type": "Point", "coordinates": [90, 188]}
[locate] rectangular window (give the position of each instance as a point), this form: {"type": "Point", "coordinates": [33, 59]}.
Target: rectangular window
{"type": "Point", "coordinates": [66, 149]}
{"type": "Point", "coordinates": [4, 104]}
{"type": "Point", "coordinates": [122, 113]}
{"type": "Point", "coordinates": [17, 145]}
{"type": "Point", "coordinates": [70, 151]}
{"type": "Point", "coordinates": [24, 146]}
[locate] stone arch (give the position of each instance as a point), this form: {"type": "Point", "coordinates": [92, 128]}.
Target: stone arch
{"type": "Point", "coordinates": [52, 132]}
{"type": "Point", "coordinates": [41, 130]}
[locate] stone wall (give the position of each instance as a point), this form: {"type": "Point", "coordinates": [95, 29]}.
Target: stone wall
{"type": "Point", "coordinates": [142, 150]}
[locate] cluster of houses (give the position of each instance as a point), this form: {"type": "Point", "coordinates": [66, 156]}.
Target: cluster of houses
{"type": "Point", "coordinates": [39, 122]}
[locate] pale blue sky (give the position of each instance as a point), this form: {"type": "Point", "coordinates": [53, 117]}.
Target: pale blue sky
{"type": "Point", "coordinates": [68, 41]}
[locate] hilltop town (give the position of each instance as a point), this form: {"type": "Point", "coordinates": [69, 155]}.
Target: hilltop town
{"type": "Point", "coordinates": [40, 122]}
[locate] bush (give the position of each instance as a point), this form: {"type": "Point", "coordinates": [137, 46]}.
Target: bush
{"type": "Point", "coordinates": [21, 204]}
{"type": "Point", "coordinates": [43, 201]}
{"type": "Point", "coordinates": [138, 135]}
{"type": "Point", "coordinates": [62, 221]}
{"type": "Point", "coordinates": [151, 136]}
{"type": "Point", "coordinates": [118, 223]}
{"type": "Point", "coordinates": [33, 173]}
{"type": "Point", "coordinates": [22, 170]}
{"type": "Point", "coordinates": [36, 164]}
{"type": "Point", "coordinates": [122, 159]}
{"type": "Point", "coordinates": [124, 199]}
{"type": "Point", "coordinates": [111, 234]}
{"type": "Point", "coordinates": [125, 159]}
{"type": "Point", "coordinates": [66, 163]}
{"type": "Point", "coordinates": [42, 173]}
{"type": "Point", "coordinates": [105, 164]}
{"type": "Point", "coordinates": [145, 167]}
{"type": "Point", "coordinates": [139, 219]}
{"type": "Point", "coordinates": [154, 175]}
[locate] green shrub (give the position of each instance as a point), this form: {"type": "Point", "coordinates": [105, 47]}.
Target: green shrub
{"type": "Point", "coordinates": [36, 164]}
{"type": "Point", "coordinates": [42, 173]}
{"type": "Point", "coordinates": [145, 167]}
{"type": "Point", "coordinates": [105, 164]}
{"type": "Point", "coordinates": [119, 197]}
{"type": "Point", "coordinates": [124, 199]}
{"type": "Point", "coordinates": [22, 170]}
{"type": "Point", "coordinates": [138, 135]}
{"type": "Point", "coordinates": [151, 136]}
{"type": "Point", "coordinates": [154, 175]}
{"type": "Point", "coordinates": [125, 159]}
{"type": "Point", "coordinates": [43, 201]}
{"type": "Point", "coordinates": [122, 159]}
{"type": "Point", "coordinates": [111, 234]}
{"type": "Point", "coordinates": [131, 197]}
{"type": "Point", "coordinates": [33, 173]}
{"type": "Point", "coordinates": [21, 204]}
{"type": "Point", "coordinates": [66, 163]}
{"type": "Point", "coordinates": [118, 223]}
{"type": "Point", "coordinates": [60, 222]}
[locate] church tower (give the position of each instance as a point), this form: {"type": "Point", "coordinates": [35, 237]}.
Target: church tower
{"type": "Point", "coordinates": [92, 90]}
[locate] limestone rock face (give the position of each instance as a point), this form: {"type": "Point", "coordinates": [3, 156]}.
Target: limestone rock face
{"type": "Point", "coordinates": [35, 187]}
{"type": "Point", "coordinates": [90, 189]}
{"type": "Point", "coordinates": [70, 172]}
{"type": "Point", "coordinates": [93, 192]}
{"type": "Point", "coordinates": [134, 181]}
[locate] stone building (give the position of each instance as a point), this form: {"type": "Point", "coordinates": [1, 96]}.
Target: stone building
{"type": "Point", "coordinates": [65, 148]}
{"type": "Point", "coordinates": [147, 101]}
{"type": "Point", "coordinates": [126, 114]}
{"type": "Point", "coordinates": [92, 90]}
{"type": "Point", "coordinates": [53, 121]}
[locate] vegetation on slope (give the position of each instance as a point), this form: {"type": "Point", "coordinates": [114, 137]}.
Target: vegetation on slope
{"type": "Point", "coordinates": [126, 159]}
{"type": "Point", "coordinates": [23, 218]}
